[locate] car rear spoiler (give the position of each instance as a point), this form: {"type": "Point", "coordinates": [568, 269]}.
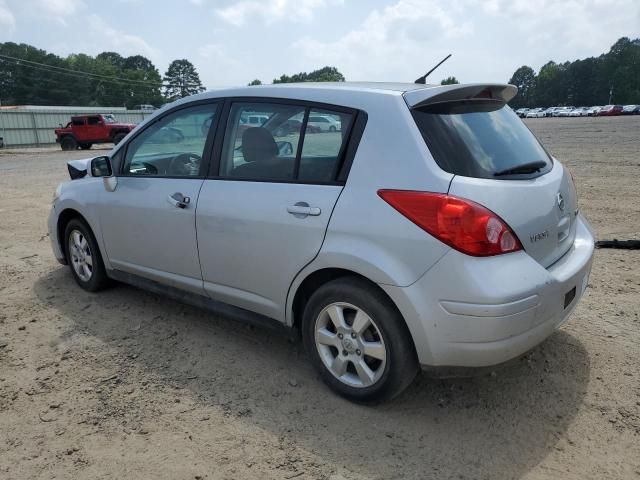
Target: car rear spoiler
{"type": "Point", "coordinates": [78, 168]}
{"type": "Point", "coordinates": [451, 93]}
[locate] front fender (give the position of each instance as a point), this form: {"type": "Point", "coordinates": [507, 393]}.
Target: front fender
{"type": "Point", "coordinates": [82, 196]}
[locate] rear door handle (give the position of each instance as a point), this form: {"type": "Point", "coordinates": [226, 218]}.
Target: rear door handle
{"type": "Point", "coordinates": [302, 209]}
{"type": "Point", "coordinates": [178, 200]}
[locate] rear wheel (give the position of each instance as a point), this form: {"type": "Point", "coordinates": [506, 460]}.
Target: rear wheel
{"type": "Point", "coordinates": [84, 256]}
{"type": "Point", "coordinates": [332, 129]}
{"type": "Point", "coordinates": [117, 138]}
{"type": "Point", "coordinates": [358, 341]}
{"type": "Point", "coordinates": [68, 143]}
{"type": "Point", "coordinates": [85, 146]}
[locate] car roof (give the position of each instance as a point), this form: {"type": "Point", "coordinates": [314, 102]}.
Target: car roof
{"type": "Point", "coordinates": [396, 88]}
{"type": "Point", "coordinates": [355, 94]}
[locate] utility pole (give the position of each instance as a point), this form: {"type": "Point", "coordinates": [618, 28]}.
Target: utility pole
{"type": "Point", "coordinates": [2, 124]}
{"type": "Point", "coordinates": [610, 94]}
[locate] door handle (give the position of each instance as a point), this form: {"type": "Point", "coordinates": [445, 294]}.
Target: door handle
{"type": "Point", "coordinates": [302, 209]}
{"type": "Point", "coordinates": [178, 200]}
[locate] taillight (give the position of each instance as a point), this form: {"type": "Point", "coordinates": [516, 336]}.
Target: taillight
{"type": "Point", "coordinates": [460, 223]}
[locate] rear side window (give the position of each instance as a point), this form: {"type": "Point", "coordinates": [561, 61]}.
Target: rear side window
{"type": "Point", "coordinates": [322, 149]}
{"type": "Point", "coordinates": [285, 145]}
{"type": "Point", "coordinates": [481, 139]}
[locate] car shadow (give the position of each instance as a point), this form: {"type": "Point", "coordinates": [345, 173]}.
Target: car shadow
{"type": "Point", "coordinates": [497, 424]}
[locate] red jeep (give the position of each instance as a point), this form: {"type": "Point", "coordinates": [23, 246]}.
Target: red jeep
{"type": "Point", "coordinates": [83, 131]}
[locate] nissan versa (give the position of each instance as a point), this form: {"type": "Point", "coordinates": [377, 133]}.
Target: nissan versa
{"type": "Point", "coordinates": [431, 228]}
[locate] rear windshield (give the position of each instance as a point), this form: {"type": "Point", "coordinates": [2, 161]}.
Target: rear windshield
{"type": "Point", "coordinates": [481, 139]}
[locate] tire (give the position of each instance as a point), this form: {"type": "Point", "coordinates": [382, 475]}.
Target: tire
{"type": "Point", "coordinates": [332, 129]}
{"type": "Point", "coordinates": [392, 361]}
{"type": "Point", "coordinates": [68, 143]}
{"type": "Point", "coordinates": [80, 247]}
{"type": "Point", "coordinates": [117, 138]}
{"type": "Point", "coordinates": [85, 146]}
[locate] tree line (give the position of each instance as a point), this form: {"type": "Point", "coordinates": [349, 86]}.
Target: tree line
{"type": "Point", "coordinates": [31, 76]}
{"type": "Point", "coordinates": [613, 77]}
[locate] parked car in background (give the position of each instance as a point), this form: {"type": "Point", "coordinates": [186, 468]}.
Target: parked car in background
{"type": "Point", "coordinates": [145, 108]}
{"type": "Point", "coordinates": [451, 239]}
{"type": "Point", "coordinates": [630, 110]}
{"type": "Point", "coordinates": [535, 113]}
{"type": "Point", "coordinates": [579, 112]}
{"type": "Point", "coordinates": [522, 112]}
{"type": "Point", "coordinates": [85, 130]}
{"type": "Point", "coordinates": [548, 112]}
{"type": "Point", "coordinates": [326, 123]}
{"type": "Point", "coordinates": [563, 111]}
{"type": "Point", "coordinates": [610, 110]}
{"type": "Point", "coordinates": [593, 111]}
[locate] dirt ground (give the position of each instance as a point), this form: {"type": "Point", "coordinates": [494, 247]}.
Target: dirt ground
{"type": "Point", "coordinates": [125, 384]}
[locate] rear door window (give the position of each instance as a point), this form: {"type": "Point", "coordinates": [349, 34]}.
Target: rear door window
{"type": "Point", "coordinates": [322, 149]}
{"type": "Point", "coordinates": [284, 144]}
{"type": "Point", "coordinates": [481, 139]}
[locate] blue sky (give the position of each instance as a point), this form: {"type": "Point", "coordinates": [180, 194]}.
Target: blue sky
{"type": "Point", "coordinates": [233, 42]}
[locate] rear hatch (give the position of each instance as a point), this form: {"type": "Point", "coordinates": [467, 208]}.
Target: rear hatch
{"type": "Point", "coordinates": [499, 163]}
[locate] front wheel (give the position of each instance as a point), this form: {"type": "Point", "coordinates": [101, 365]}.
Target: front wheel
{"type": "Point", "coordinates": [358, 341]}
{"type": "Point", "coordinates": [68, 143]}
{"type": "Point", "coordinates": [84, 256]}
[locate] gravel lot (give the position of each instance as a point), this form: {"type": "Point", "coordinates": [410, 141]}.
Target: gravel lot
{"type": "Point", "coordinates": [124, 384]}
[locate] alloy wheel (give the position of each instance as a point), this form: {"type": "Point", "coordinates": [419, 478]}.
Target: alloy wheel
{"type": "Point", "coordinates": [350, 345]}
{"type": "Point", "coordinates": [81, 257]}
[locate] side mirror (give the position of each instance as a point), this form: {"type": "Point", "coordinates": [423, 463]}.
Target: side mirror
{"type": "Point", "coordinates": [101, 167]}
{"type": "Point", "coordinates": [284, 148]}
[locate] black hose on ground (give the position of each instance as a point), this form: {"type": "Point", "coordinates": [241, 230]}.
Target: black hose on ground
{"type": "Point", "coordinates": [620, 244]}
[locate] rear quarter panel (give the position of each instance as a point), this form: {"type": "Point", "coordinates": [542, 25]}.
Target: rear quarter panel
{"type": "Point", "coordinates": [365, 234]}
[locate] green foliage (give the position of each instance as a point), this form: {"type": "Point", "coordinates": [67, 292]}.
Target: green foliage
{"type": "Point", "coordinates": [182, 80]}
{"type": "Point", "coordinates": [583, 82]}
{"type": "Point", "coordinates": [449, 81]}
{"type": "Point", "coordinates": [254, 82]}
{"type": "Point", "coordinates": [325, 74]}
{"type": "Point", "coordinates": [129, 81]}
{"type": "Point", "coordinates": [525, 79]}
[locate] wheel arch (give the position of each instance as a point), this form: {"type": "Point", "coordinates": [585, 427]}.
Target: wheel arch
{"type": "Point", "coordinates": [64, 218]}
{"type": "Point", "coordinates": [315, 279]}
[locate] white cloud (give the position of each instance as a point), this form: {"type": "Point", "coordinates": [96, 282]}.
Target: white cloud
{"type": "Point", "coordinates": [569, 24]}
{"type": "Point", "coordinates": [273, 10]}
{"type": "Point", "coordinates": [121, 42]}
{"type": "Point", "coordinates": [488, 38]}
{"type": "Point", "coordinates": [389, 39]}
{"type": "Point", "coordinates": [58, 10]}
{"type": "Point", "coordinates": [7, 20]}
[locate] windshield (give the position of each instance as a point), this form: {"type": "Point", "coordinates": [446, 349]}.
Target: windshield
{"type": "Point", "coordinates": [109, 119]}
{"type": "Point", "coordinates": [479, 139]}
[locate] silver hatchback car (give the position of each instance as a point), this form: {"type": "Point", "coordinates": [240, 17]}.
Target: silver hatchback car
{"type": "Point", "coordinates": [431, 229]}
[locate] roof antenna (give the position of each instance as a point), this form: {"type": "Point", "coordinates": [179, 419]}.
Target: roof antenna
{"type": "Point", "coordinates": [423, 79]}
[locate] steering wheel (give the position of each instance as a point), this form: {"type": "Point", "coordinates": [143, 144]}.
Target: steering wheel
{"type": "Point", "coordinates": [185, 165]}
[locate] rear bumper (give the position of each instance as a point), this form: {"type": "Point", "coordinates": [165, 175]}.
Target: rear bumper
{"type": "Point", "coordinates": [473, 312]}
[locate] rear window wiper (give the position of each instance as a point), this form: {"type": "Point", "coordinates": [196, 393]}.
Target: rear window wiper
{"type": "Point", "coordinates": [529, 167]}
